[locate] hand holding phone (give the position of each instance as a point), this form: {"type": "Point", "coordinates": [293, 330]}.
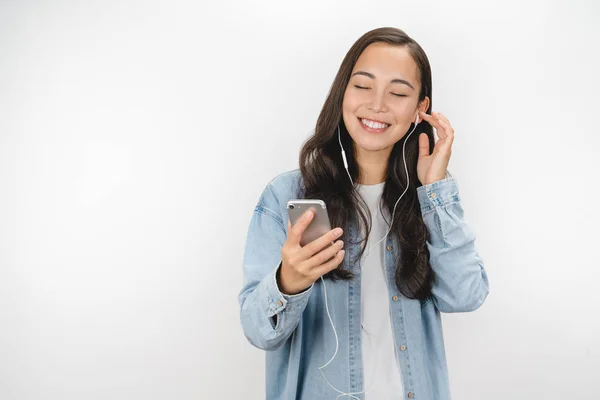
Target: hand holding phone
{"type": "Point", "coordinates": [307, 253]}
{"type": "Point", "coordinates": [318, 226]}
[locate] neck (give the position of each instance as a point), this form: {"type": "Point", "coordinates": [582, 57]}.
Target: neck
{"type": "Point", "coordinates": [372, 166]}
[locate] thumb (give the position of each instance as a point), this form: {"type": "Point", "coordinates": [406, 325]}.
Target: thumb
{"type": "Point", "coordinates": [423, 145]}
{"type": "Point", "coordinates": [298, 228]}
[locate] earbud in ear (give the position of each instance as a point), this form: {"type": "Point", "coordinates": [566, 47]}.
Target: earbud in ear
{"type": "Point", "coordinates": [417, 120]}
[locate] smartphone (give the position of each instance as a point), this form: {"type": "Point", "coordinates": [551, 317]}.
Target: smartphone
{"type": "Point", "coordinates": [320, 223]}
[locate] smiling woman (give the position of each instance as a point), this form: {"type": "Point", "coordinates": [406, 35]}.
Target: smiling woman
{"type": "Point", "coordinates": [379, 100]}
{"type": "Point", "coordinates": [382, 97]}
{"type": "Point", "coordinates": [383, 302]}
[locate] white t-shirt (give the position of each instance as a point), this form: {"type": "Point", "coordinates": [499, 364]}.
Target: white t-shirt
{"type": "Point", "coordinates": [380, 366]}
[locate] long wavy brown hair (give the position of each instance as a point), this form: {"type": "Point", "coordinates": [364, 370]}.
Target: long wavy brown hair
{"type": "Point", "coordinates": [324, 176]}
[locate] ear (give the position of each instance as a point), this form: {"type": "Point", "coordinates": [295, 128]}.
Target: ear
{"type": "Point", "coordinates": [424, 105]}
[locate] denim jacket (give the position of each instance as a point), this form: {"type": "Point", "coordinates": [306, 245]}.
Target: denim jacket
{"type": "Point", "coordinates": [296, 332]}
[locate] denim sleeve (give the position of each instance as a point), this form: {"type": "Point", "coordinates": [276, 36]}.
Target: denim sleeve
{"type": "Point", "coordinates": [460, 280]}
{"type": "Point", "coordinates": [268, 317]}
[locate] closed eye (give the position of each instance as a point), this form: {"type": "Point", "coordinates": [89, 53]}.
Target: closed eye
{"type": "Point", "coordinates": [395, 94]}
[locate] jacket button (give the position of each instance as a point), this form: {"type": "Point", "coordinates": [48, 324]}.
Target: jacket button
{"type": "Point", "coordinates": [389, 247]}
{"type": "Point", "coordinates": [280, 303]}
{"type": "Point", "coordinates": [411, 395]}
{"type": "Point", "coordinates": [403, 347]}
{"type": "Point", "coordinates": [433, 195]}
{"type": "Point", "coordinates": [395, 298]}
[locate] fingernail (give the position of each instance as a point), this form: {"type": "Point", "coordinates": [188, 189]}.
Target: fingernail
{"type": "Point", "coordinates": [309, 214]}
{"type": "Point", "coordinates": [337, 231]}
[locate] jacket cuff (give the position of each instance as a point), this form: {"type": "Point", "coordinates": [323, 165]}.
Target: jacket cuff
{"type": "Point", "coordinates": [438, 194]}
{"type": "Point", "coordinates": [278, 301]}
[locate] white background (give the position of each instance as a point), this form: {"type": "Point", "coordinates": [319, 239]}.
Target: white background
{"type": "Point", "coordinates": [136, 137]}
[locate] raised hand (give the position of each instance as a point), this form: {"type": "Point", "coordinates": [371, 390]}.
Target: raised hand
{"type": "Point", "coordinates": [432, 167]}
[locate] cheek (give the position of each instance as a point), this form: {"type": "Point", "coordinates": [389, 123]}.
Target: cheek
{"type": "Point", "coordinates": [348, 102]}
{"type": "Point", "coordinates": [405, 112]}
{"type": "Point", "coordinates": [353, 100]}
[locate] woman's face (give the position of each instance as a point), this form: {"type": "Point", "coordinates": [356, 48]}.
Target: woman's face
{"type": "Point", "coordinates": [380, 101]}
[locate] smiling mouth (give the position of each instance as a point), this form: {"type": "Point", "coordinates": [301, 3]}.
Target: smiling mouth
{"type": "Point", "coordinates": [373, 126]}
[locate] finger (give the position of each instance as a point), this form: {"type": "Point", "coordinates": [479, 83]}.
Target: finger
{"type": "Point", "coordinates": [448, 130]}
{"type": "Point", "coordinates": [445, 142]}
{"type": "Point", "coordinates": [443, 118]}
{"type": "Point", "coordinates": [443, 132]}
{"type": "Point", "coordinates": [300, 226]}
{"type": "Point", "coordinates": [330, 265]}
{"type": "Point", "coordinates": [324, 255]}
{"type": "Point", "coordinates": [319, 243]}
{"type": "Point", "coordinates": [445, 122]}
{"type": "Point", "coordinates": [433, 121]}
{"type": "Point", "coordinates": [423, 145]}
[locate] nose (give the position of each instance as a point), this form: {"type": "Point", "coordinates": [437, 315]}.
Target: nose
{"type": "Point", "coordinates": [377, 103]}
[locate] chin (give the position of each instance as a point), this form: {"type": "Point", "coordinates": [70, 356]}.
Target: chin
{"type": "Point", "coordinates": [373, 144]}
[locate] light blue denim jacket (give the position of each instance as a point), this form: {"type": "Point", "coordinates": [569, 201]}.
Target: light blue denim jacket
{"type": "Point", "coordinates": [301, 340]}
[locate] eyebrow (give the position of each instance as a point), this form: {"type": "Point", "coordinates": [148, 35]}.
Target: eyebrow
{"type": "Point", "coordinates": [370, 75]}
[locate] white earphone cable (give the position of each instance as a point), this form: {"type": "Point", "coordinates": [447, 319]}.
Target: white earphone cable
{"type": "Point", "coordinates": [351, 395]}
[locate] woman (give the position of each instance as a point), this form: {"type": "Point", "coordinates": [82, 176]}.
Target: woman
{"type": "Point", "coordinates": [374, 329]}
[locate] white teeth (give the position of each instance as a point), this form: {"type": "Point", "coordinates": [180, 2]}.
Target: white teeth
{"type": "Point", "coordinates": [374, 125]}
